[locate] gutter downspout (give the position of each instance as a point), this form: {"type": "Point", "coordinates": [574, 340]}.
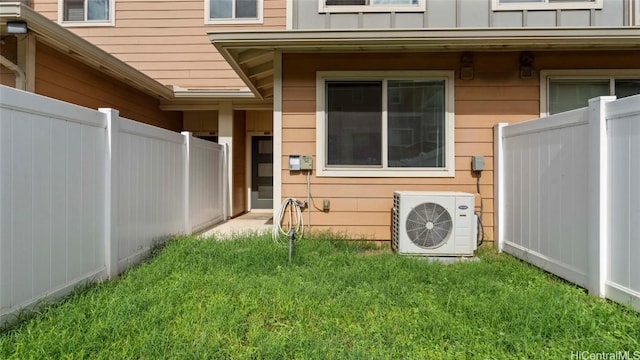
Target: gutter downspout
{"type": "Point", "coordinates": [20, 74]}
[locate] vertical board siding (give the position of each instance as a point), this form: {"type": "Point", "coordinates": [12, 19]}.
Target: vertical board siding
{"type": "Point", "coordinates": [168, 41]}
{"type": "Point", "coordinates": [456, 14]}
{"type": "Point", "coordinates": [150, 189]}
{"type": "Point", "coordinates": [546, 207]}
{"type": "Point", "coordinates": [52, 188]}
{"type": "Point", "coordinates": [623, 282]}
{"type": "Point", "coordinates": [205, 184]}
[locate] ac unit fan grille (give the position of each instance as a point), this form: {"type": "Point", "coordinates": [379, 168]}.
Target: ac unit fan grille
{"type": "Point", "coordinates": [429, 225]}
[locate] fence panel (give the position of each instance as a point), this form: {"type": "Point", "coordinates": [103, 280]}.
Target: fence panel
{"type": "Point", "coordinates": [150, 189]}
{"type": "Point", "coordinates": [206, 180]}
{"type": "Point", "coordinates": [545, 204]}
{"type": "Point", "coordinates": [52, 192]}
{"type": "Point", "coordinates": [623, 280]}
{"type": "Point", "coordinates": [84, 194]}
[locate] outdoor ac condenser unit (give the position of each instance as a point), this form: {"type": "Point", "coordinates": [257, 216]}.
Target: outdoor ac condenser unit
{"type": "Point", "coordinates": [434, 223]}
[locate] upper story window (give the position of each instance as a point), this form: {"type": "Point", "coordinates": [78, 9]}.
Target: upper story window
{"type": "Point", "coordinates": [568, 90]}
{"type": "Point", "coordinates": [371, 5]}
{"type": "Point", "coordinates": [86, 12]}
{"type": "Point", "coordinates": [233, 11]}
{"type": "Point", "coordinates": [546, 4]}
{"type": "Point", "coordinates": [385, 124]}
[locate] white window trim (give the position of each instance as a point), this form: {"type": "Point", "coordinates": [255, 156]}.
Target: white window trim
{"type": "Point", "coordinates": [322, 8]}
{"type": "Point", "coordinates": [88, 23]}
{"type": "Point", "coordinates": [322, 170]}
{"type": "Point", "coordinates": [233, 21]}
{"type": "Point", "coordinates": [587, 74]}
{"type": "Point", "coordinates": [635, 13]}
{"type": "Point", "coordinates": [546, 5]}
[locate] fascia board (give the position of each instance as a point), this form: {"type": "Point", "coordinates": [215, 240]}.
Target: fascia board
{"type": "Point", "coordinates": [432, 39]}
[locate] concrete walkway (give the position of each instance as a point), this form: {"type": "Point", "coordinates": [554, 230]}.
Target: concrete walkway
{"type": "Point", "coordinates": [251, 222]}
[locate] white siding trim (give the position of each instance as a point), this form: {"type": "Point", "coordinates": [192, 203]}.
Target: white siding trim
{"type": "Point", "coordinates": [277, 130]}
{"type": "Point", "coordinates": [322, 8]}
{"type": "Point", "coordinates": [496, 5]}
{"type": "Point", "coordinates": [93, 23]}
{"type": "Point", "coordinates": [233, 21]}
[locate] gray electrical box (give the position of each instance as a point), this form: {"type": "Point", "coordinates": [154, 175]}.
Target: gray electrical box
{"type": "Point", "coordinates": [300, 162]}
{"type": "Point", "coordinates": [477, 163]}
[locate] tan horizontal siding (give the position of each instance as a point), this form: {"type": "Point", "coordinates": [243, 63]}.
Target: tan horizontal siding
{"type": "Point", "coordinates": [168, 41]}
{"type": "Point", "coordinates": [62, 77]}
{"type": "Point", "coordinates": [7, 77]}
{"type": "Point", "coordinates": [361, 207]}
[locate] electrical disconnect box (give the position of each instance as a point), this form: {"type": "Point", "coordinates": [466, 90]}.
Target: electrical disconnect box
{"type": "Point", "coordinates": [477, 163]}
{"type": "Point", "coordinates": [300, 162]}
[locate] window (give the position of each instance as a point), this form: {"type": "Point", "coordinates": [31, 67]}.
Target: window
{"type": "Point", "coordinates": [371, 5]}
{"type": "Point", "coordinates": [546, 4]}
{"type": "Point", "coordinates": [233, 11]}
{"type": "Point", "coordinates": [385, 124]}
{"type": "Point", "coordinates": [86, 12]}
{"type": "Point", "coordinates": [569, 90]}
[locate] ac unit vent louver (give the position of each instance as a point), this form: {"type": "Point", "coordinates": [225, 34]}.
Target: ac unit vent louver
{"type": "Point", "coordinates": [434, 223]}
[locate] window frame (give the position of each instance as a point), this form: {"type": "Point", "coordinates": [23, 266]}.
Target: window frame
{"type": "Point", "coordinates": [87, 23]}
{"type": "Point", "coordinates": [322, 170]}
{"type": "Point", "coordinates": [588, 74]}
{"type": "Point", "coordinates": [496, 5]}
{"type": "Point", "coordinates": [233, 21]}
{"type": "Point", "coordinates": [323, 8]}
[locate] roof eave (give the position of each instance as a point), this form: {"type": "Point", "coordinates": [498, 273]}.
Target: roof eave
{"type": "Point", "coordinates": [431, 39]}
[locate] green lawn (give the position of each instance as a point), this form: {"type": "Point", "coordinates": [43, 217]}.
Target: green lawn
{"type": "Point", "coordinates": [205, 299]}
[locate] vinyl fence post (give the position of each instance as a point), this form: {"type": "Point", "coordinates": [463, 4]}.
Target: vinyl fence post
{"type": "Point", "coordinates": [187, 178]}
{"type": "Point", "coordinates": [598, 195]}
{"type": "Point", "coordinates": [498, 186]}
{"type": "Point", "coordinates": [112, 171]}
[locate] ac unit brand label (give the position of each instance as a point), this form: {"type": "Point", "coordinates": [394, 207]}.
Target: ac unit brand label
{"type": "Point", "coordinates": [463, 207]}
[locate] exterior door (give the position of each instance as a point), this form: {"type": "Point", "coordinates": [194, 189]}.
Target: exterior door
{"type": "Point", "coordinates": [261, 172]}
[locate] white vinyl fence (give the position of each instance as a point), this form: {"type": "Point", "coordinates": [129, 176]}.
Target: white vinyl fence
{"type": "Point", "coordinates": [85, 194]}
{"type": "Point", "coordinates": [568, 195]}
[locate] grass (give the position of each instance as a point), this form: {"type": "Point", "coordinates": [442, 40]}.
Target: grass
{"type": "Point", "coordinates": [241, 299]}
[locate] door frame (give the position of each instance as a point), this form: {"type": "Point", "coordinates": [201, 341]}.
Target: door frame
{"type": "Point", "coordinates": [249, 165]}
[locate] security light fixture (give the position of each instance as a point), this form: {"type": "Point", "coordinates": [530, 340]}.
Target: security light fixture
{"type": "Point", "coordinates": [17, 27]}
{"type": "Point", "coordinates": [466, 66]}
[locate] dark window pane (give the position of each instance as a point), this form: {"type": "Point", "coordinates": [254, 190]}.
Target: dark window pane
{"type": "Point", "coordinates": [354, 123]}
{"type": "Point", "coordinates": [98, 9]}
{"type": "Point", "coordinates": [247, 9]}
{"type": "Point", "coordinates": [221, 9]}
{"type": "Point", "coordinates": [565, 95]}
{"type": "Point", "coordinates": [627, 87]}
{"type": "Point", "coordinates": [417, 124]}
{"type": "Point", "coordinates": [73, 10]}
